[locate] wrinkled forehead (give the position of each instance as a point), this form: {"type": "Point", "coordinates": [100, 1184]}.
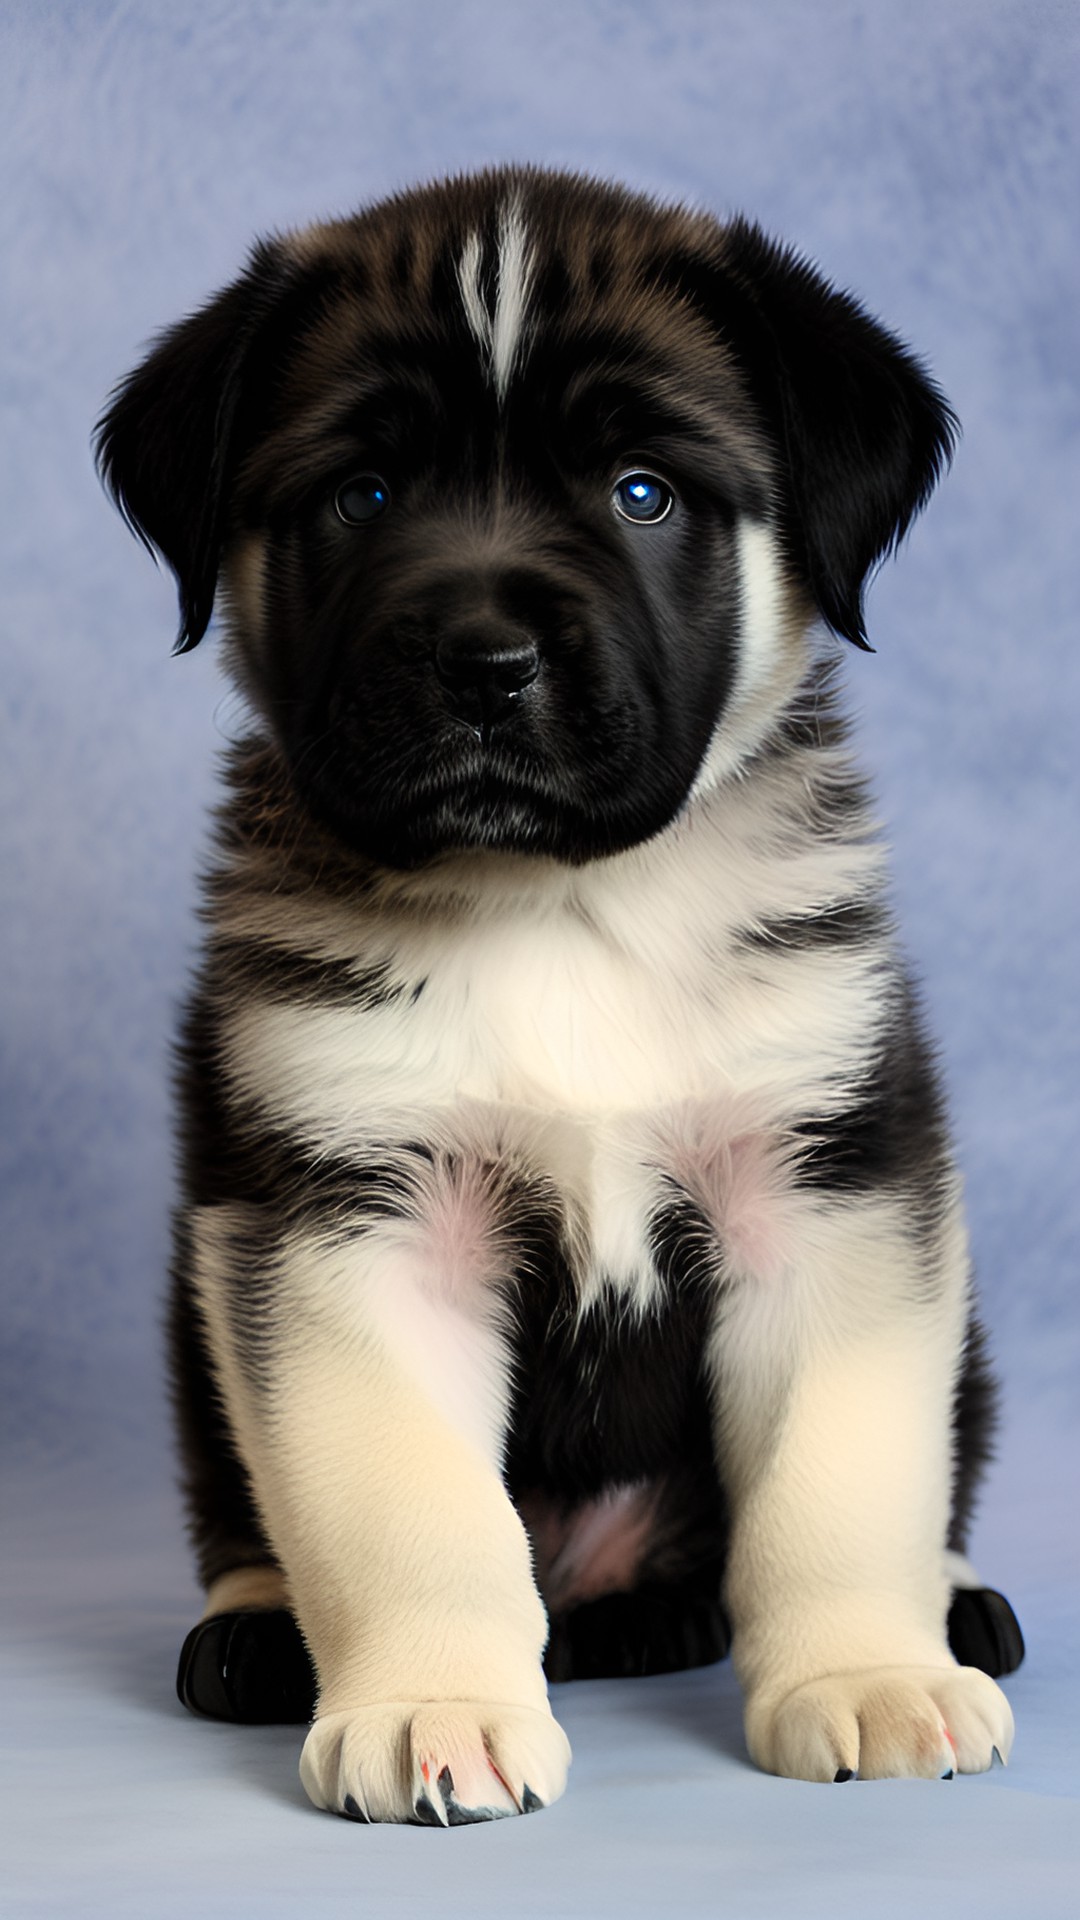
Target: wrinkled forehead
{"type": "Point", "coordinates": [505, 321]}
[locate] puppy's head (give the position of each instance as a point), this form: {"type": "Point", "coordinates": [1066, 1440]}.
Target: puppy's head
{"type": "Point", "coordinates": [522, 491]}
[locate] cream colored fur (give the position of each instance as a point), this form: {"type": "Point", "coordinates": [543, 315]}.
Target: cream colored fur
{"type": "Point", "coordinates": [246, 1587]}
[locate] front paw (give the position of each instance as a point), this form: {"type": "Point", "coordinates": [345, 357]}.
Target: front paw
{"type": "Point", "coordinates": [882, 1723]}
{"type": "Point", "coordinates": [435, 1763]}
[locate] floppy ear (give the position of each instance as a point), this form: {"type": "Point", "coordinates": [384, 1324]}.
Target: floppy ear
{"type": "Point", "coordinates": [863, 431]}
{"type": "Point", "coordinates": [167, 445]}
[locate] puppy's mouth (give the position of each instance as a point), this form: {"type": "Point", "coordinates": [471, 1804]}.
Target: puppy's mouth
{"type": "Point", "coordinates": [466, 789]}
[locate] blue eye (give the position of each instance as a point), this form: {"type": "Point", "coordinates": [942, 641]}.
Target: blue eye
{"type": "Point", "coordinates": [642, 498]}
{"type": "Point", "coordinates": [361, 499]}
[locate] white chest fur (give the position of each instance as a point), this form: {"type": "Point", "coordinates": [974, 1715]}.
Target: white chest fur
{"type": "Point", "coordinates": [613, 1029]}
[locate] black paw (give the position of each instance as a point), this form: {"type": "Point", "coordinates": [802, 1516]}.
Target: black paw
{"type": "Point", "coordinates": [250, 1667]}
{"type": "Point", "coordinates": [984, 1631]}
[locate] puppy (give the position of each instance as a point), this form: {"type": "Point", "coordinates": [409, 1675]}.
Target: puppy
{"type": "Point", "coordinates": [570, 1252]}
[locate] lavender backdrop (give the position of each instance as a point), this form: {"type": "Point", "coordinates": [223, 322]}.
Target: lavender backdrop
{"type": "Point", "coordinates": [926, 155]}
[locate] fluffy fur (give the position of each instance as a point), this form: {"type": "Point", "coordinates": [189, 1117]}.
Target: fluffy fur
{"type": "Point", "coordinates": [568, 1205]}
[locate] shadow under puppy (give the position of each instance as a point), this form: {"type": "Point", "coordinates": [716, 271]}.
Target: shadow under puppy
{"type": "Point", "coordinates": [570, 1250]}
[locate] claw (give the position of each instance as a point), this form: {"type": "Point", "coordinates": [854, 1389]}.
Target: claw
{"type": "Point", "coordinates": [845, 1773]}
{"type": "Point", "coordinates": [430, 1808]}
{"type": "Point", "coordinates": [428, 1813]}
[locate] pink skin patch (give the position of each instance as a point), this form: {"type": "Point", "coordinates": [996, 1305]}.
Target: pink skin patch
{"type": "Point", "coordinates": [460, 1237]}
{"type": "Point", "coordinates": [593, 1549]}
{"type": "Point", "coordinates": [739, 1177]}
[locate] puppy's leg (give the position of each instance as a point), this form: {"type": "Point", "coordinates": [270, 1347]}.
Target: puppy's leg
{"type": "Point", "coordinates": [367, 1381]}
{"type": "Point", "coordinates": [835, 1374]}
{"type": "Point", "coordinates": [223, 1522]}
{"type": "Point", "coordinates": [244, 1660]}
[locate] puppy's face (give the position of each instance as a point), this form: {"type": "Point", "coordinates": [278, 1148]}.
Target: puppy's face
{"type": "Point", "coordinates": [522, 491]}
{"type": "Point", "coordinates": [490, 592]}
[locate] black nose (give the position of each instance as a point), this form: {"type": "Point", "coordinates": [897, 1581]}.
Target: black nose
{"type": "Point", "coordinates": [485, 669]}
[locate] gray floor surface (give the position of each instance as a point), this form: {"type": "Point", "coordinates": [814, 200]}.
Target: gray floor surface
{"type": "Point", "coordinates": [117, 1803]}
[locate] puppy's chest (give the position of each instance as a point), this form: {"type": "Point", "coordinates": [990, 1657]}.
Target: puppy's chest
{"type": "Point", "coordinates": [522, 1020]}
{"type": "Point", "coordinates": [622, 991]}
{"type": "Point", "coordinates": [429, 1029]}
{"type": "Point", "coordinates": [621, 1081]}
{"type": "Point", "coordinates": [558, 1021]}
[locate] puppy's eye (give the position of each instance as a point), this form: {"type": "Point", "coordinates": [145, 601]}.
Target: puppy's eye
{"type": "Point", "coordinates": [643, 498]}
{"type": "Point", "coordinates": [361, 499]}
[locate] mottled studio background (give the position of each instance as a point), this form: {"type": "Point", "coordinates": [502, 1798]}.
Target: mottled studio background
{"type": "Point", "coordinates": [926, 155]}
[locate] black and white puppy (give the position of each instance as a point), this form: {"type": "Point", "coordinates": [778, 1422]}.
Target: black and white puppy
{"type": "Point", "coordinates": [571, 1251]}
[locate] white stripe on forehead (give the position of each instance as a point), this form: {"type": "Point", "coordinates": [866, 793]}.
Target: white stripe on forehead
{"type": "Point", "coordinates": [499, 338]}
{"type": "Point", "coordinates": [513, 292]}
{"type": "Point", "coordinates": [469, 282]}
